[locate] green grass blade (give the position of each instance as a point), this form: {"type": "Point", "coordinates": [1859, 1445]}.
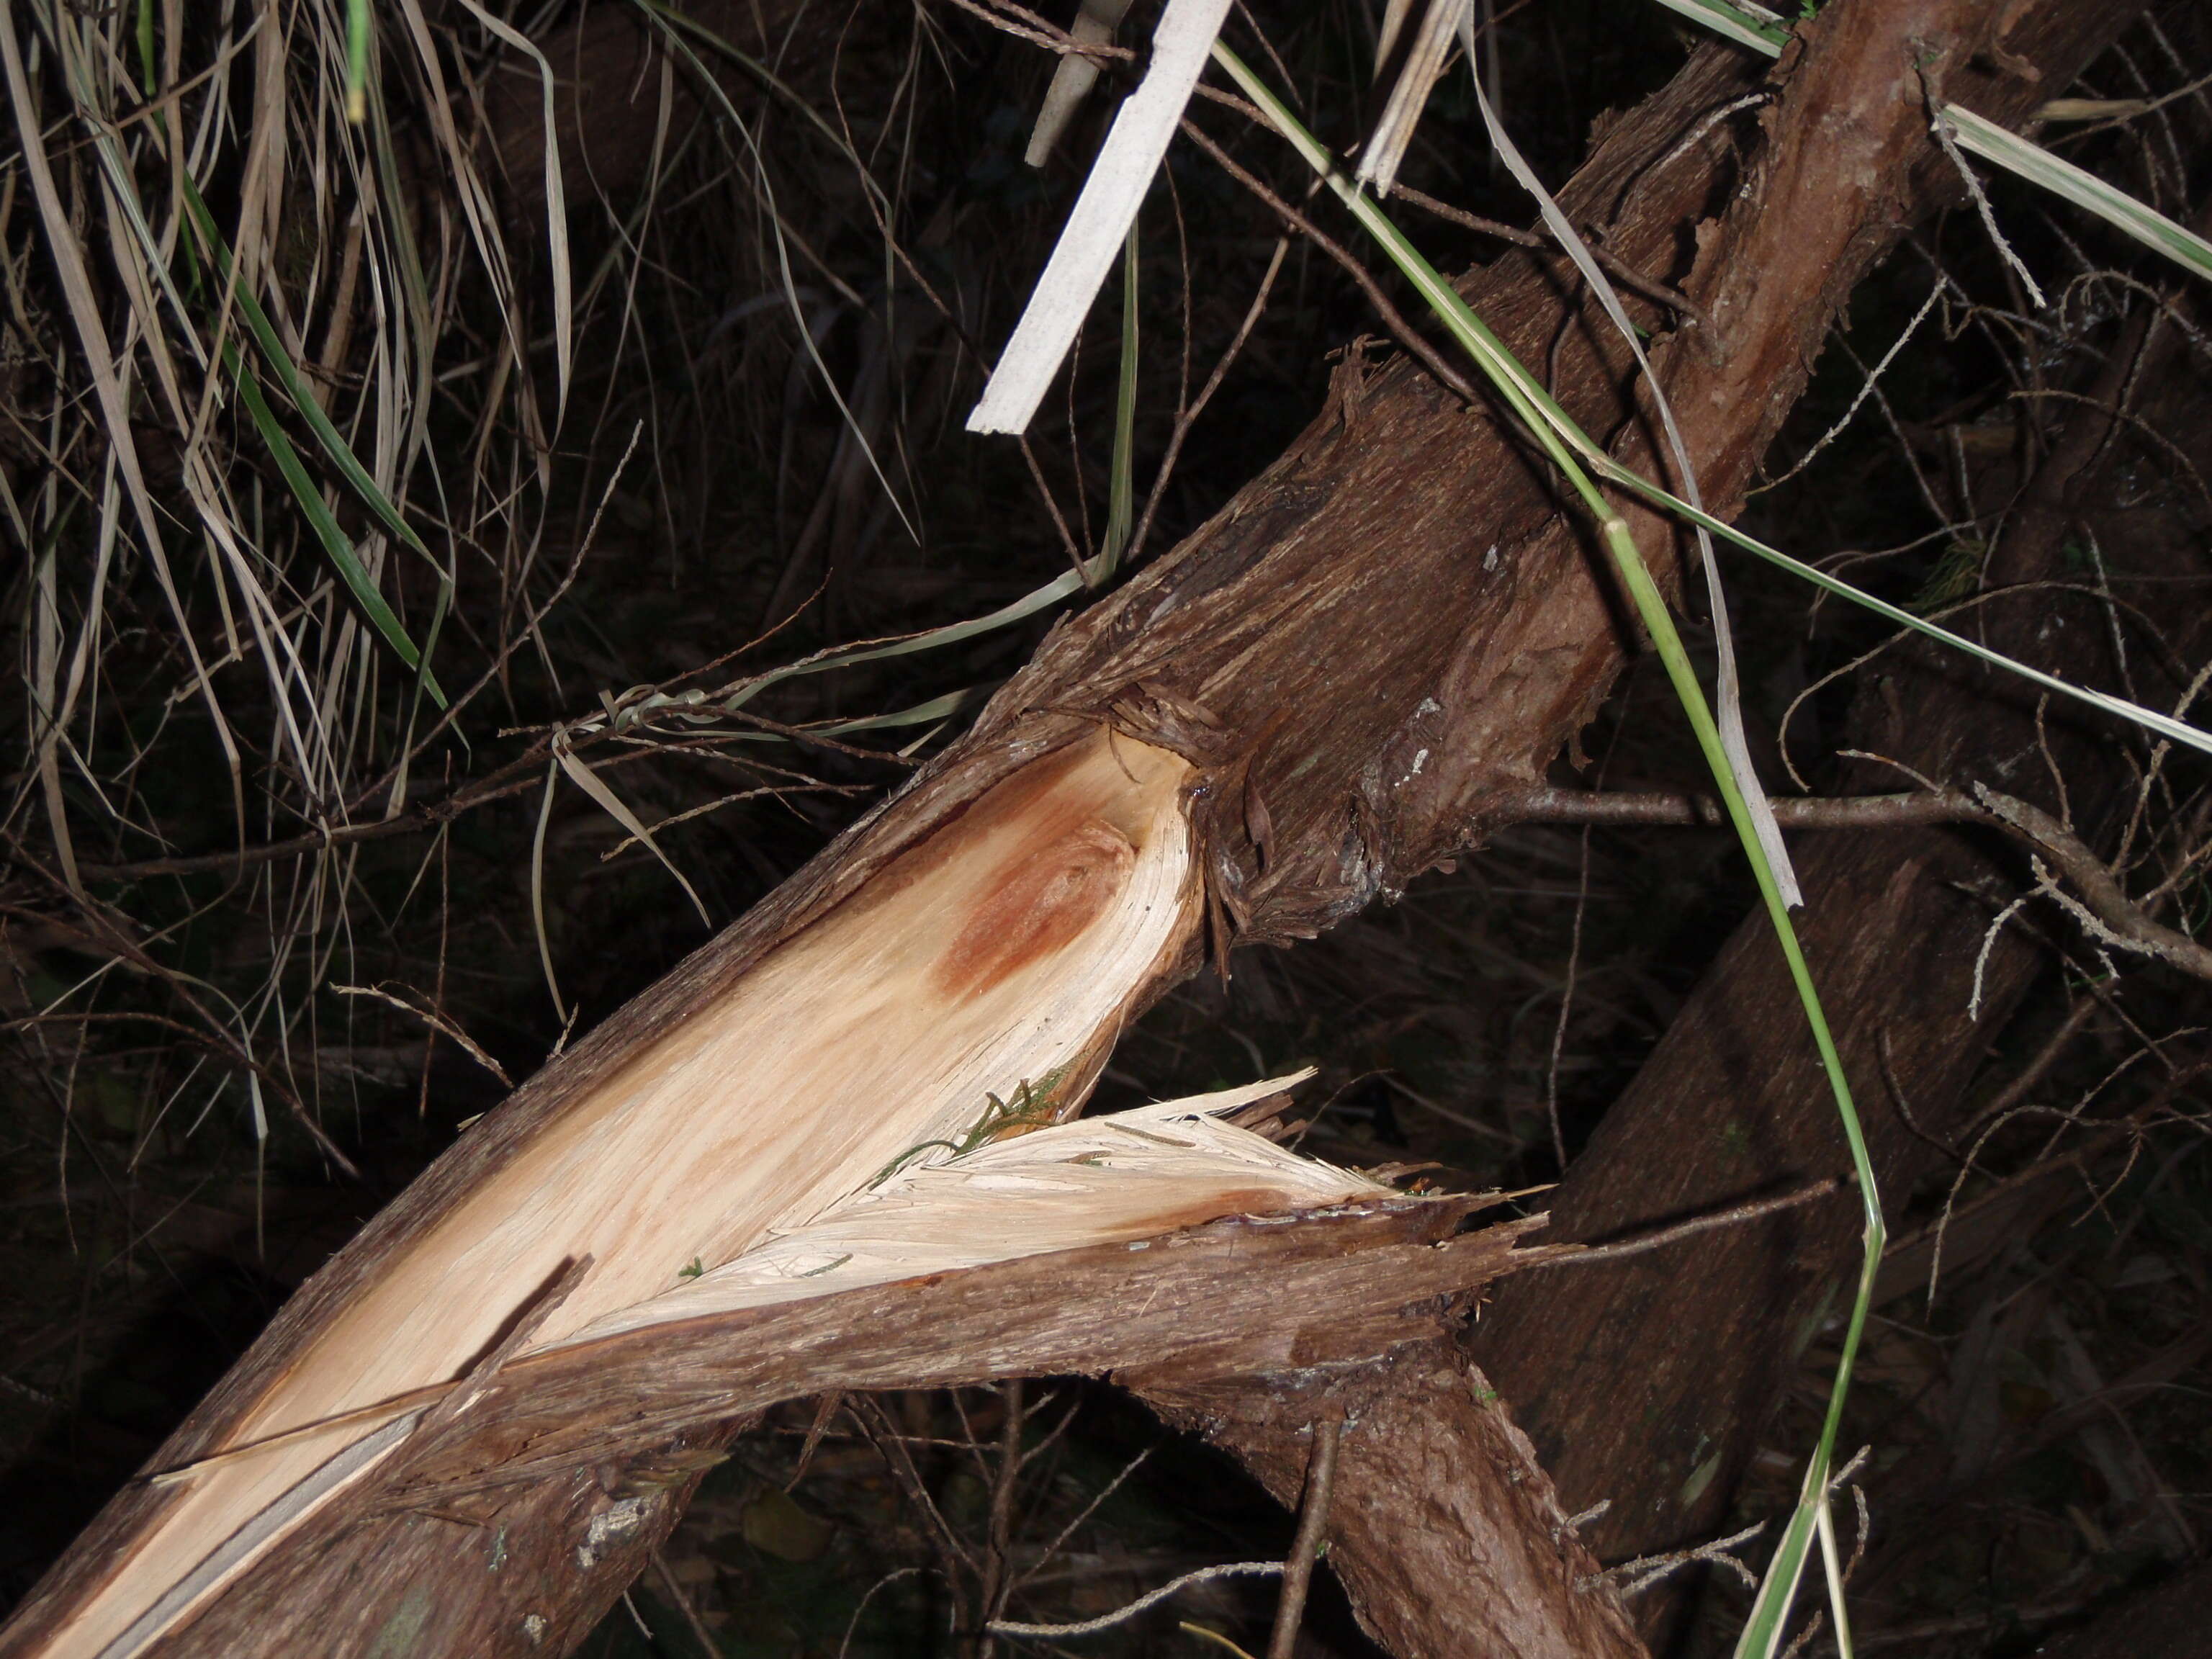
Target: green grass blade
{"type": "Point", "coordinates": [150, 78]}
{"type": "Point", "coordinates": [1726, 689]}
{"type": "Point", "coordinates": [336, 545]}
{"type": "Point", "coordinates": [1557, 432]}
{"type": "Point", "coordinates": [1037, 599]}
{"type": "Point", "coordinates": [2084, 189]}
{"type": "Point", "coordinates": [1755, 27]}
{"type": "Point", "coordinates": [1121, 496]}
{"type": "Point", "coordinates": [327, 436]}
{"type": "Point", "coordinates": [357, 49]}
{"type": "Point", "coordinates": [2150, 720]}
{"type": "Point", "coordinates": [337, 548]}
{"type": "Point", "coordinates": [922, 713]}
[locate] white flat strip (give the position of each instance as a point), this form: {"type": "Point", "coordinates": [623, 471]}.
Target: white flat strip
{"type": "Point", "coordinates": [1722, 22]}
{"type": "Point", "coordinates": [1103, 213]}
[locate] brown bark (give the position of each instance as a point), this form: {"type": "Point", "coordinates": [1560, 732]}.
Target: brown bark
{"type": "Point", "coordinates": [1444, 1530]}
{"type": "Point", "coordinates": [2165, 1623]}
{"type": "Point", "coordinates": [1351, 673]}
{"type": "Point", "coordinates": [471, 1558]}
{"type": "Point", "coordinates": [1649, 1387]}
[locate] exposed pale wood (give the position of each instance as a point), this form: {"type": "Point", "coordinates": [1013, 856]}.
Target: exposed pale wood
{"type": "Point", "coordinates": [1127, 1176]}
{"type": "Point", "coordinates": [1001, 952]}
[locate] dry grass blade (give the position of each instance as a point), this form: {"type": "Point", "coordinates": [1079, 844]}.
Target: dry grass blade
{"type": "Point", "coordinates": [99, 363]}
{"type": "Point", "coordinates": [1424, 63]}
{"type": "Point", "coordinates": [557, 207]}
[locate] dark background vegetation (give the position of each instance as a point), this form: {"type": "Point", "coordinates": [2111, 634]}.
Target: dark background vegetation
{"type": "Point", "coordinates": [176, 1014]}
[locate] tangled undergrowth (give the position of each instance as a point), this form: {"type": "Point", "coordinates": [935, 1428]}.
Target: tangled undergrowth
{"type": "Point", "coordinates": [400, 591]}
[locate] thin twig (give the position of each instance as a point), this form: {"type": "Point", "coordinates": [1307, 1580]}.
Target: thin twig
{"type": "Point", "coordinates": [1631, 1577]}
{"type": "Point", "coordinates": [998, 1545]}
{"type": "Point", "coordinates": [950, 1550]}
{"type": "Point", "coordinates": [699, 1634]}
{"type": "Point", "coordinates": [1626, 275]}
{"type": "Point", "coordinates": [2104, 909]}
{"type": "Point", "coordinates": [1150, 1598]}
{"type": "Point", "coordinates": [1188, 418]}
{"type": "Point", "coordinates": [1392, 318]}
{"type": "Point", "coordinates": [1313, 1525]}
{"type": "Point", "coordinates": [1658, 1238]}
{"type": "Point", "coordinates": [519, 775]}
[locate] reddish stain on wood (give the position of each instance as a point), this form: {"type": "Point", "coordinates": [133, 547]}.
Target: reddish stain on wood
{"type": "Point", "coordinates": [1212, 1206]}
{"type": "Point", "coordinates": [1044, 898]}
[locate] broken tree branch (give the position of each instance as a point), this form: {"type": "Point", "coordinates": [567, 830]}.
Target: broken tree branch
{"type": "Point", "coordinates": [2115, 918]}
{"type": "Point", "coordinates": [1297, 710]}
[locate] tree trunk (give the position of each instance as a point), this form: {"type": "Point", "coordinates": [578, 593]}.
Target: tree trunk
{"type": "Point", "coordinates": [1649, 1388]}
{"type": "Point", "coordinates": [2165, 1623]}
{"type": "Point", "coordinates": [1299, 709]}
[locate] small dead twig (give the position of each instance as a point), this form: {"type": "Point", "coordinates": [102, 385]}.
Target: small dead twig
{"type": "Point", "coordinates": [2104, 909]}
{"type": "Point", "coordinates": [1188, 417]}
{"type": "Point", "coordinates": [697, 1626]}
{"type": "Point", "coordinates": [1658, 1238]}
{"type": "Point", "coordinates": [1631, 1578]}
{"type": "Point", "coordinates": [999, 1544]}
{"type": "Point", "coordinates": [825, 1410]}
{"type": "Point", "coordinates": [437, 1022]}
{"type": "Point", "coordinates": [1390, 316]}
{"type": "Point", "coordinates": [891, 1447]}
{"type": "Point", "coordinates": [1025, 25]}
{"type": "Point", "coordinates": [1150, 1598]}
{"type": "Point", "coordinates": [1627, 276]}
{"type": "Point", "coordinates": [112, 937]}
{"type": "Point", "coordinates": [1313, 1524]}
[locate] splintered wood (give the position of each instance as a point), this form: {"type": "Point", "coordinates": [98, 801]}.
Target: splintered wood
{"type": "Point", "coordinates": [999, 958]}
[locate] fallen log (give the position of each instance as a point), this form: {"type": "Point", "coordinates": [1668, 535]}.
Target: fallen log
{"type": "Point", "coordinates": [1649, 1390]}
{"type": "Point", "coordinates": [2167, 1622]}
{"type": "Point", "coordinates": [1296, 712]}
{"type": "Point", "coordinates": [615, 1413]}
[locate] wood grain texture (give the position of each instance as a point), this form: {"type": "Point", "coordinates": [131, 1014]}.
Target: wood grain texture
{"type": "Point", "coordinates": [1003, 950]}
{"type": "Point", "coordinates": [1338, 644]}
{"type": "Point", "coordinates": [1437, 1493]}
{"type": "Point", "coordinates": [557, 1470]}
{"type": "Point", "coordinates": [1650, 1387]}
